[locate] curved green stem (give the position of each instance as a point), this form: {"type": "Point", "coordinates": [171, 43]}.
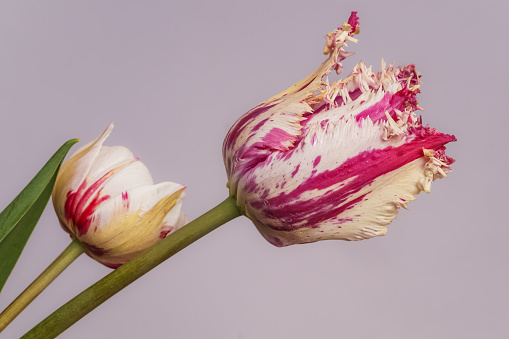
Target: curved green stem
{"type": "Point", "coordinates": [96, 294]}
{"type": "Point", "coordinates": [74, 250]}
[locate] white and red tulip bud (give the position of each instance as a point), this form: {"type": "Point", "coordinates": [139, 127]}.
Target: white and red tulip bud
{"type": "Point", "coordinates": [106, 198]}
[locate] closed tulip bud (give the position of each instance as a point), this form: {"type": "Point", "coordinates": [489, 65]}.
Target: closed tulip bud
{"type": "Point", "coordinates": [334, 161]}
{"type": "Point", "coordinates": [106, 198]}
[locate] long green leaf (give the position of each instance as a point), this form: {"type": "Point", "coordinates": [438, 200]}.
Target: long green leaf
{"type": "Point", "coordinates": [17, 221]}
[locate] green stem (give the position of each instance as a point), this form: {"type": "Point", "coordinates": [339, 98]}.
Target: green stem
{"type": "Point", "coordinates": [74, 250]}
{"type": "Point", "coordinates": [98, 293]}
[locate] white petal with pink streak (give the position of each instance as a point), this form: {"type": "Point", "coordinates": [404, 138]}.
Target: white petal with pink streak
{"type": "Point", "coordinates": [333, 145]}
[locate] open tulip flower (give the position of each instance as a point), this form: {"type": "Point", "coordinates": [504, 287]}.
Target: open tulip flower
{"type": "Point", "coordinates": [106, 198]}
{"type": "Point", "coordinates": [334, 161]}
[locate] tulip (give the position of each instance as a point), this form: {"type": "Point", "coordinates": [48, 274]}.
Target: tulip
{"type": "Point", "coordinates": [334, 161]}
{"type": "Point", "coordinates": [107, 201]}
{"type": "Point", "coordinates": [106, 198]}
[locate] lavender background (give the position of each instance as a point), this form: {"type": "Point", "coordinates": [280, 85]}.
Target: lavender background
{"type": "Point", "coordinates": [174, 76]}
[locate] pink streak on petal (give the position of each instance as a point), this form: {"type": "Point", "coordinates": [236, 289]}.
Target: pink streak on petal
{"type": "Point", "coordinates": [125, 199]}
{"type": "Point", "coordinates": [353, 95]}
{"type": "Point", "coordinates": [354, 21]}
{"type": "Point", "coordinates": [317, 160]}
{"type": "Point", "coordinates": [377, 111]}
{"type": "Point", "coordinates": [390, 103]}
{"type": "Point", "coordinates": [276, 138]}
{"type": "Point", "coordinates": [260, 124]}
{"type": "Point", "coordinates": [360, 171]}
{"type": "Point", "coordinates": [296, 170]}
{"type": "Point", "coordinates": [240, 125]}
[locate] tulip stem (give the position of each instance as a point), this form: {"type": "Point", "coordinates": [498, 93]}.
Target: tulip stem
{"type": "Point", "coordinates": [98, 293]}
{"type": "Point", "coordinates": [73, 251]}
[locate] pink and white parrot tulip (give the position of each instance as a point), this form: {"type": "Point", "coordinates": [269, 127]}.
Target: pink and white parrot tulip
{"type": "Point", "coordinates": [106, 198]}
{"type": "Point", "coordinates": [334, 161]}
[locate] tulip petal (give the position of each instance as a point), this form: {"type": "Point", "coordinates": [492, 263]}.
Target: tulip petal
{"type": "Point", "coordinates": [109, 158]}
{"type": "Point", "coordinates": [83, 201]}
{"type": "Point", "coordinates": [364, 94]}
{"type": "Point", "coordinates": [129, 174]}
{"type": "Point", "coordinates": [74, 171]}
{"type": "Point", "coordinates": [342, 182]}
{"type": "Point", "coordinates": [132, 221]}
{"type": "Point", "coordinates": [175, 218]}
{"type": "Point", "coordinates": [276, 124]}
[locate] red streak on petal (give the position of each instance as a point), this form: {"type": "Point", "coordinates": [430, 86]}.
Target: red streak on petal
{"type": "Point", "coordinates": [125, 199]}
{"type": "Point", "coordinates": [93, 189]}
{"type": "Point", "coordinates": [164, 231]}
{"type": "Point", "coordinates": [82, 204]}
{"type": "Point", "coordinates": [73, 199]}
{"type": "Point", "coordinates": [84, 218]}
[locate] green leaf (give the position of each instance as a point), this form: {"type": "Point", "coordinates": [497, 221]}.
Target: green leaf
{"type": "Point", "coordinates": [17, 221]}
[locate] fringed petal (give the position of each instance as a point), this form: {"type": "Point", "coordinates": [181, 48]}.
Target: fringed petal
{"type": "Point", "coordinates": [334, 161]}
{"type": "Point", "coordinates": [276, 123]}
{"type": "Point", "coordinates": [340, 182]}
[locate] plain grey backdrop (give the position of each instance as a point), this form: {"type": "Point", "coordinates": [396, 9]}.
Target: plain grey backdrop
{"type": "Point", "coordinates": [174, 76]}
